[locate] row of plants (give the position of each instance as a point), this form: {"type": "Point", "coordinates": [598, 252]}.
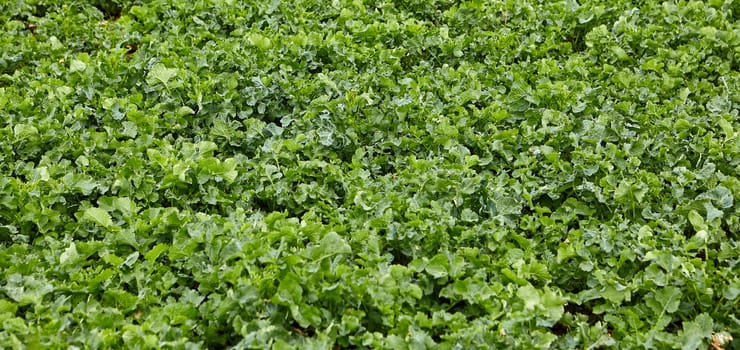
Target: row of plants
{"type": "Point", "coordinates": [369, 174]}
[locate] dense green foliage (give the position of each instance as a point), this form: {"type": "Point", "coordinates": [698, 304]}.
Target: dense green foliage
{"type": "Point", "coordinates": [369, 174]}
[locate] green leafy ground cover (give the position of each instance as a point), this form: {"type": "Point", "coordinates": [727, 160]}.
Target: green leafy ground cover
{"type": "Point", "coordinates": [369, 174]}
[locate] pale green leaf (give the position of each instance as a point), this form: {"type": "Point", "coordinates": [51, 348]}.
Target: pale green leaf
{"type": "Point", "coordinates": [98, 216]}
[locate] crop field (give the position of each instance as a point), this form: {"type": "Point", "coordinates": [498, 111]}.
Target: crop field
{"type": "Point", "coordinates": [355, 174]}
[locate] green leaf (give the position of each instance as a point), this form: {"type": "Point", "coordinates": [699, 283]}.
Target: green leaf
{"type": "Point", "coordinates": [665, 300]}
{"type": "Point", "coordinates": [720, 195]}
{"type": "Point", "coordinates": [69, 255]}
{"type": "Point", "coordinates": [289, 291]}
{"type": "Point", "coordinates": [113, 259]}
{"type": "Point", "coordinates": [512, 276]}
{"type": "Point", "coordinates": [468, 215]}
{"type": "Point", "coordinates": [696, 332]}
{"type": "Point", "coordinates": [24, 131]}
{"type": "Point", "coordinates": [260, 41]}
{"type": "Point", "coordinates": [553, 305]}
{"type": "Point", "coordinates": [306, 315]}
{"type": "Point", "coordinates": [26, 290]}
{"type": "Point", "coordinates": [98, 216]}
{"type": "Point", "coordinates": [160, 73]}
{"type": "Point", "coordinates": [530, 296]}
{"type": "Point", "coordinates": [732, 290]}
{"type": "Point", "coordinates": [697, 221]}
{"type": "Point", "coordinates": [360, 200]}
{"type": "Point", "coordinates": [438, 266]}
{"type": "Point", "coordinates": [332, 244]}
{"type": "Point", "coordinates": [507, 206]}
{"type": "Point", "coordinates": [156, 251]}
{"type": "Point", "coordinates": [125, 205]}
{"type": "Point", "coordinates": [131, 259]}
{"type": "Point", "coordinates": [77, 66]}
{"type": "Point", "coordinates": [120, 299]}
